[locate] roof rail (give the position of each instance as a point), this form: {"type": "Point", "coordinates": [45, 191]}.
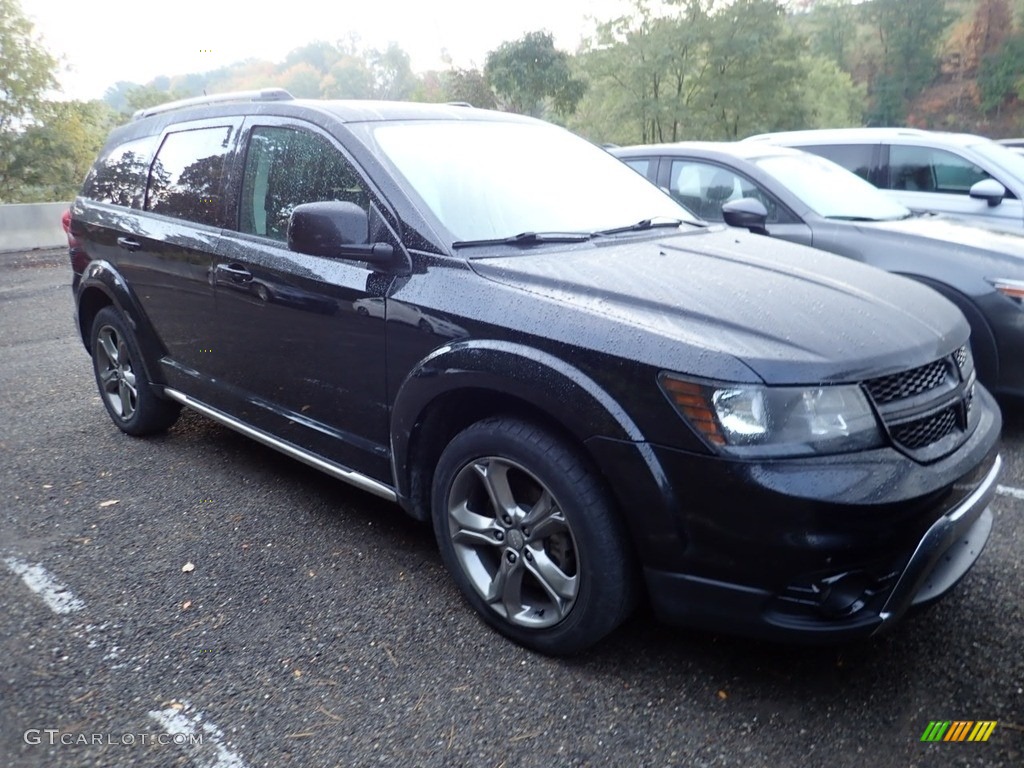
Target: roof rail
{"type": "Point", "coordinates": [265, 94]}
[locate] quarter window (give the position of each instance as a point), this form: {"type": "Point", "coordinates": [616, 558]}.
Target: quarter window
{"type": "Point", "coordinates": [185, 181]}
{"type": "Point", "coordinates": [285, 167]}
{"type": "Point", "coordinates": [119, 178]}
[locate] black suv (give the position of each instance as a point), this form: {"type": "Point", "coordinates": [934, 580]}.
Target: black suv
{"type": "Point", "coordinates": [592, 396]}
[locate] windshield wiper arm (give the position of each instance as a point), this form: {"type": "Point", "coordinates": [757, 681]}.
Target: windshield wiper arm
{"type": "Point", "coordinates": [529, 238]}
{"type": "Point", "coordinates": [852, 218]}
{"type": "Point", "coordinates": [642, 225]}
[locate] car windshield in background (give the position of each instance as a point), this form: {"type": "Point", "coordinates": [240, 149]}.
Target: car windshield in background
{"type": "Point", "coordinates": [495, 180]}
{"type": "Point", "coordinates": [1010, 161]}
{"type": "Point", "coordinates": [831, 191]}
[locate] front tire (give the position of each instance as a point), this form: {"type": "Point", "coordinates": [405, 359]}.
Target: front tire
{"type": "Point", "coordinates": [129, 398]}
{"type": "Point", "coordinates": [527, 531]}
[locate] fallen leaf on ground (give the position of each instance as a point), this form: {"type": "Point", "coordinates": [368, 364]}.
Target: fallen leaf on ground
{"type": "Point", "coordinates": [110, 503]}
{"type": "Point", "coordinates": [186, 605]}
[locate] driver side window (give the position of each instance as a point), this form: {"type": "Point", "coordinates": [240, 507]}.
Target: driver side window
{"type": "Point", "coordinates": [285, 167]}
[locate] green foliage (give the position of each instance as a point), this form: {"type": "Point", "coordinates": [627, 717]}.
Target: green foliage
{"type": "Point", "coordinates": [468, 86]}
{"type": "Point", "coordinates": [909, 32]}
{"type": "Point", "coordinates": [53, 155]}
{"type": "Point", "coordinates": [1001, 73]}
{"type": "Point", "coordinates": [27, 72]}
{"type": "Point", "coordinates": [708, 70]}
{"type": "Point", "coordinates": [144, 96]}
{"type": "Point", "coordinates": [531, 76]}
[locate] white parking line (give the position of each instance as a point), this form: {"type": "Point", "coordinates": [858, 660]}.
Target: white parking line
{"type": "Point", "coordinates": [56, 595]}
{"type": "Point", "coordinates": [208, 751]}
{"type": "Point", "coordinates": [1006, 490]}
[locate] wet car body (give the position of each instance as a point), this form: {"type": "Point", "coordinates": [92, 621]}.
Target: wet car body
{"type": "Point", "coordinates": [977, 266]}
{"type": "Point", "coordinates": [593, 343]}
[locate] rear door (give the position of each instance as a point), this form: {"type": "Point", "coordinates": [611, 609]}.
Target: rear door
{"type": "Point", "coordinates": [293, 355]}
{"type": "Point", "coordinates": [168, 258]}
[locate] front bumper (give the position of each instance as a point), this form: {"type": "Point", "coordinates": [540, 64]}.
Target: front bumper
{"type": "Point", "coordinates": [945, 553]}
{"type": "Point", "coordinates": [819, 550]}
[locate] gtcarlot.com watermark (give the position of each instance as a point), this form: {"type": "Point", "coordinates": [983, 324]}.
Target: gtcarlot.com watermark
{"type": "Point", "coordinates": [54, 737]}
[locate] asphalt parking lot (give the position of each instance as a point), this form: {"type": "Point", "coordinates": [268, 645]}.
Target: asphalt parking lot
{"type": "Point", "coordinates": [199, 600]}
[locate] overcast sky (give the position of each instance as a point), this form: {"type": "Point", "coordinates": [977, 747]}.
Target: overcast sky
{"type": "Point", "coordinates": [103, 41]}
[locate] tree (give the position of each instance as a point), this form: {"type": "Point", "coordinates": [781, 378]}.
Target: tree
{"type": "Point", "coordinates": [531, 76]}
{"type": "Point", "coordinates": [469, 86]}
{"type": "Point", "coordinates": [27, 73]}
{"type": "Point", "coordinates": [54, 154]}
{"type": "Point", "coordinates": [1001, 73]}
{"type": "Point", "coordinates": [909, 32]}
{"type": "Point", "coordinates": [393, 77]}
{"type": "Point", "coordinates": [144, 96]}
{"type": "Point", "coordinates": [707, 69]}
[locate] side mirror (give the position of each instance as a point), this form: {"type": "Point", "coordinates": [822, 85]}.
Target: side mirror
{"type": "Point", "coordinates": [335, 229]}
{"type": "Point", "coordinates": [989, 190]}
{"type": "Point", "coordinates": [746, 213]}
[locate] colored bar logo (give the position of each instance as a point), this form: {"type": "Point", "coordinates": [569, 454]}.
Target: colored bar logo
{"type": "Point", "coordinates": [959, 730]}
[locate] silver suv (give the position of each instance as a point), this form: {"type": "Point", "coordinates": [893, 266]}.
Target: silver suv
{"type": "Point", "coordinates": [955, 173]}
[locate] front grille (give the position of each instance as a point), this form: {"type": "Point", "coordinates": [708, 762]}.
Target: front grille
{"type": "Point", "coordinates": [922, 432]}
{"type": "Point", "coordinates": [923, 406]}
{"type": "Point", "coordinates": [961, 357]}
{"type": "Point", "coordinates": [899, 386]}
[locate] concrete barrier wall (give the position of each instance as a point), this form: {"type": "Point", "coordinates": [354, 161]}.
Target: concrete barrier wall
{"type": "Point", "coordinates": [33, 225]}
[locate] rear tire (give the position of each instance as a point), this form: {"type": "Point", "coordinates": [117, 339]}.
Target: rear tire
{"type": "Point", "coordinates": [132, 402]}
{"type": "Point", "coordinates": [530, 536]}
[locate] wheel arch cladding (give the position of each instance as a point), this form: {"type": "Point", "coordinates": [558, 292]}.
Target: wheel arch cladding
{"type": "Point", "coordinates": [459, 385]}
{"type": "Point", "coordinates": [102, 286]}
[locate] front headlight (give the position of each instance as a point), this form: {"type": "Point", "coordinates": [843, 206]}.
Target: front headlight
{"type": "Point", "coordinates": [753, 420]}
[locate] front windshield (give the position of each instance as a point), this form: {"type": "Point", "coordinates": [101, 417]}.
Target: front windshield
{"type": "Point", "coordinates": [830, 190]}
{"type": "Point", "coordinates": [1003, 157]}
{"type": "Point", "coordinates": [487, 180]}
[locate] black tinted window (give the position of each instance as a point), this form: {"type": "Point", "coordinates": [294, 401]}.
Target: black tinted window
{"type": "Point", "coordinates": [853, 157]}
{"type": "Point", "coordinates": [119, 177]}
{"type": "Point", "coordinates": [185, 180]}
{"type": "Point", "coordinates": [284, 168]}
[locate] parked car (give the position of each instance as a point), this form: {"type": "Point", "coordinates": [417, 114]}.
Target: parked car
{"type": "Point", "coordinates": [807, 199]}
{"type": "Point", "coordinates": [761, 438]}
{"type": "Point", "coordinates": [956, 173]}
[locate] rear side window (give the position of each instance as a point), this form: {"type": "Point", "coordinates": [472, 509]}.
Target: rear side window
{"type": "Point", "coordinates": [924, 169]}
{"type": "Point", "coordinates": [185, 181]}
{"type": "Point", "coordinates": [285, 167]}
{"type": "Point", "coordinates": [853, 157]}
{"type": "Point", "coordinates": [119, 177]}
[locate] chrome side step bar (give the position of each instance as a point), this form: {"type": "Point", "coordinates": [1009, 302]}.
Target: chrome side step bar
{"type": "Point", "coordinates": [334, 470]}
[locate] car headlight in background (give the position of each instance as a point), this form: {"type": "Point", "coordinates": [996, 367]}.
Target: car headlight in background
{"type": "Point", "coordinates": [755, 420]}
{"type": "Point", "coordinates": [1013, 289]}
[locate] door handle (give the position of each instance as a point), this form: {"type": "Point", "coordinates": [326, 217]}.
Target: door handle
{"type": "Point", "coordinates": [129, 244]}
{"type": "Point", "coordinates": [236, 272]}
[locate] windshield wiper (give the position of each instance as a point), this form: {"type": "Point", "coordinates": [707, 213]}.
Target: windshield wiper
{"type": "Point", "coordinates": [853, 218]}
{"type": "Point", "coordinates": [642, 225]}
{"type": "Point", "coordinates": [529, 238]}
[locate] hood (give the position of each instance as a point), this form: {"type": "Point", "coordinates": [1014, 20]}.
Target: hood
{"type": "Point", "coordinates": [971, 234]}
{"type": "Point", "coordinates": [701, 302]}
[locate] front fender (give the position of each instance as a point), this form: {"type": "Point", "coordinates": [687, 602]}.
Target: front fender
{"type": "Point", "coordinates": [566, 395]}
